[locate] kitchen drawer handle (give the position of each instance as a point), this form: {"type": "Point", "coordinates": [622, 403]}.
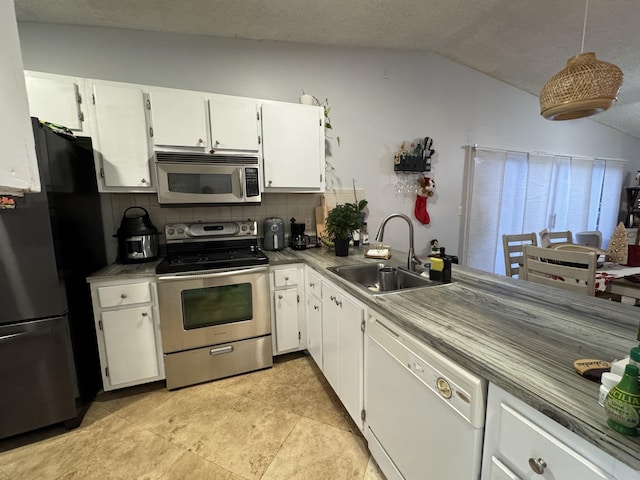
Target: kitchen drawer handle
{"type": "Point", "coordinates": [312, 284]}
{"type": "Point", "coordinates": [144, 314]}
{"type": "Point", "coordinates": [279, 297]}
{"type": "Point", "coordinates": [332, 298]}
{"type": "Point", "coordinates": [123, 295]}
{"type": "Point", "coordinates": [339, 303]}
{"type": "Point", "coordinates": [537, 465]}
{"type": "Point", "coordinates": [316, 307]}
{"type": "Point", "coordinates": [221, 350]}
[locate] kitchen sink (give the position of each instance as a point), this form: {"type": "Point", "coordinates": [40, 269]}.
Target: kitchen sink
{"type": "Point", "coordinates": [381, 278]}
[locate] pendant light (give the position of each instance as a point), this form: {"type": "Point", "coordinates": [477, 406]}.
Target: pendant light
{"type": "Point", "coordinates": [586, 86]}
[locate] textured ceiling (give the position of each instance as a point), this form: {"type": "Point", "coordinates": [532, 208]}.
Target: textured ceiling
{"type": "Point", "coordinates": [521, 42]}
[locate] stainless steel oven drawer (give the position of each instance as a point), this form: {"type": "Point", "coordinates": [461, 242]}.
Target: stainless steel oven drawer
{"type": "Point", "coordinates": [218, 361]}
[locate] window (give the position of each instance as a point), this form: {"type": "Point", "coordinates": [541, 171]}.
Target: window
{"type": "Point", "coordinates": [517, 192]}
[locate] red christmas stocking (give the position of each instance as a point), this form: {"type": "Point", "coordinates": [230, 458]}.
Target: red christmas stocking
{"type": "Point", "coordinates": [420, 210]}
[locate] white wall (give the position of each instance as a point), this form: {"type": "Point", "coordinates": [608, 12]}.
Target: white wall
{"type": "Point", "coordinates": [422, 95]}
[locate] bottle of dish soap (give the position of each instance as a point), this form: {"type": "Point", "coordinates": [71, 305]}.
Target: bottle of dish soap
{"type": "Point", "coordinates": [623, 403]}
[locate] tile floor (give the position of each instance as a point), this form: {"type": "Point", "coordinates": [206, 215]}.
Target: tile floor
{"type": "Point", "coordinates": [280, 423]}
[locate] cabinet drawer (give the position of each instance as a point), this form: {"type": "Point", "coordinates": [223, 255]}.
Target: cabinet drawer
{"type": "Point", "coordinates": [314, 284]}
{"type": "Point", "coordinates": [285, 277]}
{"type": "Point", "coordinates": [522, 442]}
{"type": "Point", "coordinates": [130, 293]}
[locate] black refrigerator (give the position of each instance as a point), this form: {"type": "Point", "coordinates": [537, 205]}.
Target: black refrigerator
{"type": "Point", "coordinates": [49, 243]}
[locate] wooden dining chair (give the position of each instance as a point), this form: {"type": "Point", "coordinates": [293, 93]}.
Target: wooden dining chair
{"type": "Point", "coordinates": [549, 238]}
{"type": "Point", "coordinates": [570, 270]}
{"type": "Point", "coordinates": [513, 248]}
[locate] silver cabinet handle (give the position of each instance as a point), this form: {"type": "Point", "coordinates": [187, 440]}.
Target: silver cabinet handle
{"type": "Point", "coordinates": [339, 303]}
{"type": "Point", "coordinates": [286, 279]}
{"type": "Point", "coordinates": [279, 297]}
{"type": "Point", "coordinates": [316, 307]}
{"type": "Point", "coordinates": [332, 298]}
{"type": "Point", "coordinates": [537, 465]}
{"type": "Point", "coordinates": [144, 314]}
{"type": "Point", "coordinates": [221, 350]}
{"type": "Point", "coordinates": [123, 295]}
{"type": "Point", "coordinates": [312, 284]}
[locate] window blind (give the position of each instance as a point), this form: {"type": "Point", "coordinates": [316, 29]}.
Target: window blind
{"type": "Point", "coordinates": [510, 192]}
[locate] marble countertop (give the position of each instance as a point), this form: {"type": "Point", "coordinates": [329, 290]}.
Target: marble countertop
{"type": "Point", "coordinates": [124, 271]}
{"type": "Point", "coordinates": [521, 336]}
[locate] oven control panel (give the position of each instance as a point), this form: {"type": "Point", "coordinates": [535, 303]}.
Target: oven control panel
{"type": "Point", "coordinates": [176, 232]}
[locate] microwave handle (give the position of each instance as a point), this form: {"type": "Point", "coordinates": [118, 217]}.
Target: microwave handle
{"type": "Point", "coordinates": [241, 180]}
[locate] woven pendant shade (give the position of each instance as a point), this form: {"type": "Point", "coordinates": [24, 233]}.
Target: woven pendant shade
{"type": "Point", "coordinates": [586, 86]}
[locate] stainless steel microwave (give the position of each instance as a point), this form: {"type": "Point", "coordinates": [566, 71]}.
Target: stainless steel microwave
{"type": "Point", "coordinates": [196, 178]}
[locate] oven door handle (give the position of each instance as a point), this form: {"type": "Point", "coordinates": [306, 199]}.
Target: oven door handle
{"type": "Point", "coordinates": [210, 274]}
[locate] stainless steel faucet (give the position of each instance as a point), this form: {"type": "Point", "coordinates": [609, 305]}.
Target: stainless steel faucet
{"type": "Point", "coordinates": [412, 260]}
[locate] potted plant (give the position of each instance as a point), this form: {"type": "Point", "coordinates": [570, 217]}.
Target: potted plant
{"type": "Point", "coordinates": [340, 222]}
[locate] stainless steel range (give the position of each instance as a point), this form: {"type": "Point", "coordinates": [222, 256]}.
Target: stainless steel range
{"type": "Point", "coordinates": [213, 291]}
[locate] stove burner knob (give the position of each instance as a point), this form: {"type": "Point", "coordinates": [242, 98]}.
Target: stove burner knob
{"type": "Point", "coordinates": [171, 231]}
{"type": "Point", "coordinates": [243, 228]}
{"type": "Point", "coordinates": [180, 231]}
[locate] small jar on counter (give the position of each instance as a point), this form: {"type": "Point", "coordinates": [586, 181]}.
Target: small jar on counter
{"type": "Point", "coordinates": [609, 380]}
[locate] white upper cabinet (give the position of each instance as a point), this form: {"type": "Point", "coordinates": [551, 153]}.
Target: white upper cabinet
{"type": "Point", "coordinates": [119, 136]}
{"type": "Point", "coordinates": [179, 119]}
{"type": "Point", "coordinates": [235, 124]}
{"type": "Point", "coordinates": [57, 99]}
{"type": "Point", "coordinates": [293, 147]}
{"type": "Point", "coordinates": [18, 164]}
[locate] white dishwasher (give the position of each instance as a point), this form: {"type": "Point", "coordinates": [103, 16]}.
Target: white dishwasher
{"type": "Point", "coordinates": [425, 414]}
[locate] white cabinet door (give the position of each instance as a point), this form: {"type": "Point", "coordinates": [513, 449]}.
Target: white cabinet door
{"type": "Point", "coordinates": [130, 345]}
{"type": "Point", "coordinates": [330, 355]}
{"type": "Point", "coordinates": [351, 357]}
{"type": "Point", "coordinates": [520, 440]}
{"type": "Point", "coordinates": [179, 119]}
{"type": "Point", "coordinates": [314, 329]}
{"type": "Point", "coordinates": [235, 125]}
{"type": "Point", "coordinates": [18, 164]}
{"type": "Point", "coordinates": [120, 138]}
{"type": "Point", "coordinates": [56, 99]}
{"type": "Point", "coordinates": [287, 328]}
{"type": "Point", "coordinates": [293, 147]}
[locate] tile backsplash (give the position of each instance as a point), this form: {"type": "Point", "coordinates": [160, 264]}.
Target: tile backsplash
{"type": "Point", "coordinates": [300, 206]}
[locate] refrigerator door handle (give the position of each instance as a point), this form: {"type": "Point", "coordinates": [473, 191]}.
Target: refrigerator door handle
{"type": "Point", "coordinates": [12, 335]}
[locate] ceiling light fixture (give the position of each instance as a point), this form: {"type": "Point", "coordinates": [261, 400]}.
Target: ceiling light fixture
{"type": "Point", "coordinates": [586, 86]}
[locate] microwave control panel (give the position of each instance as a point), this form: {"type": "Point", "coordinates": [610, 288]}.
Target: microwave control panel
{"type": "Point", "coordinates": [251, 181]}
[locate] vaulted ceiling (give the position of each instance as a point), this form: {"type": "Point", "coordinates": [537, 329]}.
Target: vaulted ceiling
{"type": "Point", "coordinates": [521, 42]}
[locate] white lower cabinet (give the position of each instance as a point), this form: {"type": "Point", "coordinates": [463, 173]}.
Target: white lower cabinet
{"type": "Point", "coordinates": [288, 323]}
{"type": "Point", "coordinates": [343, 348]}
{"type": "Point", "coordinates": [522, 443]}
{"type": "Point", "coordinates": [128, 331]}
{"type": "Point", "coordinates": [313, 293]}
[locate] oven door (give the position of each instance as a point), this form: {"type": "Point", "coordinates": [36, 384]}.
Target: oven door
{"type": "Point", "coordinates": [189, 182]}
{"type": "Point", "coordinates": [204, 309]}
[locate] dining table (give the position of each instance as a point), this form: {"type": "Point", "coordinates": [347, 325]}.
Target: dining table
{"type": "Point", "coordinates": [617, 279]}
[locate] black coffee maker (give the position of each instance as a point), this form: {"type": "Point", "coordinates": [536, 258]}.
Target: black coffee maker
{"type": "Point", "coordinates": [298, 240]}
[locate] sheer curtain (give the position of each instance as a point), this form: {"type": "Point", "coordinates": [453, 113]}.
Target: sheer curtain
{"type": "Point", "coordinates": [516, 192]}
